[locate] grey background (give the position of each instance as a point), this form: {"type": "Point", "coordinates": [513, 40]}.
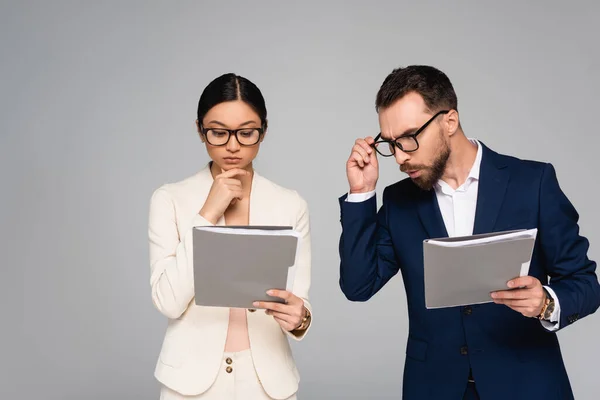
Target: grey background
{"type": "Point", "coordinates": [98, 106]}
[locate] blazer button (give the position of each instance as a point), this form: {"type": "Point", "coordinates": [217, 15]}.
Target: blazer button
{"type": "Point", "coordinates": [252, 309]}
{"type": "Point", "coordinates": [228, 360]}
{"type": "Point", "coordinates": [228, 369]}
{"type": "Point", "coordinates": [464, 350]}
{"type": "Point", "coordinates": [468, 310]}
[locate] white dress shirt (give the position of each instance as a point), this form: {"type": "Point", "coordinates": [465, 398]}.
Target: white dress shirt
{"type": "Point", "coordinates": [458, 211]}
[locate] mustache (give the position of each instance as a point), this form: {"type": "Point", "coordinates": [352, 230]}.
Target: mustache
{"type": "Point", "coordinates": [411, 167]}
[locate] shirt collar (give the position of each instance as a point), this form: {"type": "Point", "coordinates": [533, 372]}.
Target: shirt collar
{"type": "Point", "coordinates": [473, 173]}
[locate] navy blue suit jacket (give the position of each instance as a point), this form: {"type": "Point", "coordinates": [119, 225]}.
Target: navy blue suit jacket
{"type": "Point", "coordinates": [511, 356]}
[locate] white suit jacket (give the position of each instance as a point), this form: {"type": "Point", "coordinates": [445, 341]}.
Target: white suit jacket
{"type": "Point", "coordinates": [194, 342]}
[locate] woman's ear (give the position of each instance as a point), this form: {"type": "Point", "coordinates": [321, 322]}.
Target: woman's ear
{"type": "Point", "coordinates": [199, 131]}
{"type": "Point", "coordinates": [265, 125]}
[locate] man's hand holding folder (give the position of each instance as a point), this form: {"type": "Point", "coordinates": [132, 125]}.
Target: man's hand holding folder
{"type": "Point", "coordinates": [525, 295]}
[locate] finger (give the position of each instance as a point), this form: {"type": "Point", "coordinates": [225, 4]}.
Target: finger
{"type": "Point", "coordinates": [232, 182]}
{"type": "Point", "coordinates": [271, 305]}
{"type": "Point", "coordinates": [237, 194]}
{"type": "Point", "coordinates": [282, 294]}
{"type": "Point", "coordinates": [523, 281]}
{"type": "Point", "coordinates": [512, 303]}
{"type": "Point", "coordinates": [520, 294]}
{"type": "Point", "coordinates": [360, 150]}
{"type": "Point", "coordinates": [363, 144]}
{"type": "Point", "coordinates": [290, 319]}
{"type": "Point", "coordinates": [233, 172]}
{"type": "Point", "coordinates": [357, 159]}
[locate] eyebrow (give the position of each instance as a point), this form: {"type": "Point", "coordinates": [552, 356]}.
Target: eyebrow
{"type": "Point", "coordinates": [405, 133]}
{"type": "Point", "coordinates": [408, 132]}
{"type": "Point", "coordinates": [225, 126]}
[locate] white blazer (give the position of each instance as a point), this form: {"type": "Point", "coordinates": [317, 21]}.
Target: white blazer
{"type": "Point", "coordinates": [194, 342]}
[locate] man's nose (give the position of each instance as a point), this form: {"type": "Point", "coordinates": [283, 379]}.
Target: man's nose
{"type": "Point", "coordinates": [401, 157]}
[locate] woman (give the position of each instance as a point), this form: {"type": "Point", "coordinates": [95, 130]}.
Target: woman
{"type": "Point", "coordinates": [217, 352]}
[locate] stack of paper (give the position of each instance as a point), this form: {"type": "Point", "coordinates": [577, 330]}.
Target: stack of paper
{"type": "Point", "coordinates": [235, 265]}
{"type": "Point", "coordinates": [465, 270]}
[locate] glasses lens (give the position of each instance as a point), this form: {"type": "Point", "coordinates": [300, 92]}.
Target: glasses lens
{"type": "Point", "coordinates": [408, 143]}
{"type": "Point", "coordinates": [248, 137]}
{"type": "Point", "coordinates": [384, 148]}
{"type": "Point", "coordinates": [217, 137]}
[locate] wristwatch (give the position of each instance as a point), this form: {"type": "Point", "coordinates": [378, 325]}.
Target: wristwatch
{"type": "Point", "coordinates": [547, 308]}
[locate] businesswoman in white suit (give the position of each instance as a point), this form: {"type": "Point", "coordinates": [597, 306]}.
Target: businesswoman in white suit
{"type": "Point", "coordinates": [212, 352]}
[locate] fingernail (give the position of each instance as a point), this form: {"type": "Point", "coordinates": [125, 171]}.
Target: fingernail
{"type": "Point", "coordinates": [511, 284]}
{"type": "Point", "coordinates": [270, 292]}
{"type": "Point", "coordinates": [494, 295]}
{"type": "Point", "coordinates": [255, 304]}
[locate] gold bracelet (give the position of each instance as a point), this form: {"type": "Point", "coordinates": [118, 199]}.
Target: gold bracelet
{"type": "Point", "coordinates": [305, 321]}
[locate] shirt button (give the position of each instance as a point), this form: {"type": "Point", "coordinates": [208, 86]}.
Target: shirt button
{"type": "Point", "coordinates": [228, 369]}
{"type": "Point", "coordinates": [468, 310]}
{"type": "Point", "coordinates": [252, 309]}
{"type": "Point", "coordinates": [464, 350]}
{"type": "Point", "coordinates": [228, 360]}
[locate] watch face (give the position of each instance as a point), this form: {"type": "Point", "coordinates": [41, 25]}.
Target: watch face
{"type": "Point", "coordinates": [549, 310]}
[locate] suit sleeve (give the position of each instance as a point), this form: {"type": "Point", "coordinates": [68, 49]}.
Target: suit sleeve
{"type": "Point", "coordinates": [302, 277]}
{"type": "Point", "coordinates": [171, 256]}
{"type": "Point", "coordinates": [572, 274]}
{"type": "Point", "coordinates": [367, 258]}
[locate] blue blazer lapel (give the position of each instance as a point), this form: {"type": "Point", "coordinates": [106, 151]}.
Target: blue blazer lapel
{"type": "Point", "coordinates": [430, 215]}
{"type": "Point", "coordinates": [493, 180]}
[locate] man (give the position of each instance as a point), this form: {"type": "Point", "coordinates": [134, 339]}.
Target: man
{"type": "Point", "coordinates": [504, 349]}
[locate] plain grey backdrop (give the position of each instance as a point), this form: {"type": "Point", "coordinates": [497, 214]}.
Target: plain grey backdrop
{"type": "Point", "coordinates": [98, 108]}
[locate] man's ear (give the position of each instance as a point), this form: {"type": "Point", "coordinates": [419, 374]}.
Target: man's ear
{"type": "Point", "coordinates": [452, 122]}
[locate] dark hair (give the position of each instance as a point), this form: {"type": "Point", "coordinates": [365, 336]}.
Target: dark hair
{"type": "Point", "coordinates": [432, 84]}
{"type": "Point", "coordinates": [230, 87]}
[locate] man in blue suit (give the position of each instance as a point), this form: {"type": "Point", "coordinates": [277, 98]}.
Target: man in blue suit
{"type": "Point", "coordinates": [504, 349]}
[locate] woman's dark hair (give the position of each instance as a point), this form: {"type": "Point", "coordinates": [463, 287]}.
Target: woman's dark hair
{"type": "Point", "coordinates": [230, 87]}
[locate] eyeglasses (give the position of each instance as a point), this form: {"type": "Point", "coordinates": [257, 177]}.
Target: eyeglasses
{"type": "Point", "coordinates": [220, 136]}
{"type": "Point", "coordinates": [406, 143]}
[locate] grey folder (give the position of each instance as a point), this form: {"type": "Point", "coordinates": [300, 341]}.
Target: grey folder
{"type": "Point", "coordinates": [235, 265]}
{"type": "Point", "coordinates": [465, 270]}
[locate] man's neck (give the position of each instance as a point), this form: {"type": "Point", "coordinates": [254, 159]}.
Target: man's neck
{"type": "Point", "coordinates": [462, 157]}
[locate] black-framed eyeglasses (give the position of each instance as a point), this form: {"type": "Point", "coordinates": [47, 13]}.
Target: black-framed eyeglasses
{"type": "Point", "coordinates": [220, 136]}
{"type": "Point", "coordinates": [406, 143]}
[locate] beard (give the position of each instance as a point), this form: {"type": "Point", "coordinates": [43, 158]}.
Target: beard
{"type": "Point", "coordinates": [430, 174]}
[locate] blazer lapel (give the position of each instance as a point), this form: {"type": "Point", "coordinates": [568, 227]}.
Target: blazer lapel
{"type": "Point", "coordinates": [493, 180]}
{"type": "Point", "coordinates": [256, 203]}
{"type": "Point", "coordinates": [430, 215]}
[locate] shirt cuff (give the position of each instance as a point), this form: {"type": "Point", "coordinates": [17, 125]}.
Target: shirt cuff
{"type": "Point", "coordinates": [359, 197]}
{"type": "Point", "coordinates": [554, 322]}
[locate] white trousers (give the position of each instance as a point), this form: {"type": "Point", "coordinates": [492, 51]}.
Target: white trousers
{"type": "Point", "coordinates": [237, 380]}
